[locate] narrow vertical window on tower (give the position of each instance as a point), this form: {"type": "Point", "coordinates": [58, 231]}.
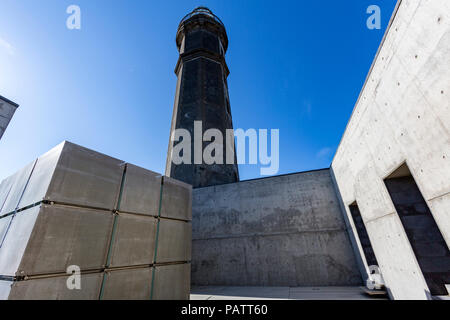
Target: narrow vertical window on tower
{"type": "Point", "coordinates": [427, 242]}
{"type": "Point", "coordinates": [203, 96]}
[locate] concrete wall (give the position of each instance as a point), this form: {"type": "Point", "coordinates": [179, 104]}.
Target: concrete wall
{"type": "Point", "coordinates": [402, 114]}
{"type": "Point", "coordinates": [278, 231]}
{"type": "Point", "coordinates": [7, 110]}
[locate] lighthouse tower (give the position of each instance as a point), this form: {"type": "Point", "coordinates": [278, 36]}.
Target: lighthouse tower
{"type": "Point", "coordinates": [202, 98]}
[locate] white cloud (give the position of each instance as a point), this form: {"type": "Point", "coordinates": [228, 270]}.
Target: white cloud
{"type": "Point", "coordinates": [7, 46]}
{"type": "Point", "coordinates": [324, 152]}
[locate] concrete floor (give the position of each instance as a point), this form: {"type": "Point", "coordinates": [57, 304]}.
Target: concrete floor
{"type": "Point", "coordinates": [277, 293]}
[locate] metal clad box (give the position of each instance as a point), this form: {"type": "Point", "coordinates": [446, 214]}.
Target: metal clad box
{"type": "Point", "coordinates": [76, 207]}
{"type": "Point", "coordinates": [174, 241]}
{"type": "Point", "coordinates": [134, 241]}
{"type": "Point", "coordinates": [41, 177]}
{"type": "Point", "coordinates": [67, 236]}
{"type": "Point", "coordinates": [16, 240]}
{"type": "Point", "coordinates": [128, 284]}
{"type": "Point", "coordinates": [7, 110]}
{"type": "Point", "coordinates": [172, 282]}
{"type": "Point", "coordinates": [15, 188]}
{"type": "Point", "coordinates": [141, 191]}
{"type": "Point", "coordinates": [55, 288]}
{"type": "Point", "coordinates": [4, 225]}
{"type": "Point", "coordinates": [86, 178]}
{"type": "Point", "coordinates": [176, 200]}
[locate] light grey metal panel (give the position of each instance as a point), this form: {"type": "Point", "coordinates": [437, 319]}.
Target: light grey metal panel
{"type": "Point", "coordinates": [134, 241]}
{"type": "Point", "coordinates": [41, 177]}
{"type": "Point", "coordinates": [85, 177]}
{"type": "Point", "coordinates": [174, 241]}
{"type": "Point", "coordinates": [4, 224]}
{"type": "Point", "coordinates": [5, 189]}
{"type": "Point", "coordinates": [172, 282]}
{"type": "Point", "coordinates": [55, 288]}
{"type": "Point", "coordinates": [141, 191]}
{"type": "Point", "coordinates": [18, 184]}
{"type": "Point", "coordinates": [128, 284]}
{"type": "Point", "coordinates": [65, 236]}
{"type": "Point", "coordinates": [5, 289]}
{"type": "Point", "coordinates": [16, 240]}
{"type": "Point", "coordinates": [4, 122]}
{"type": "Point", "coordinates": [7, 110]}
{"type": "Point", "coordinates": [176, 200]}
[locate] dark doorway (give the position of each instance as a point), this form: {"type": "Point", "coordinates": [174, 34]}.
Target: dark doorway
{"type": "Point", "coordinates": [426, 240]}
{"type": "Point", "coordinates": [362, 235]}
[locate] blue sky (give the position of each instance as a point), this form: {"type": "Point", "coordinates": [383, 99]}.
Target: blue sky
{"type": "Point", "coordinates": [296, 66]}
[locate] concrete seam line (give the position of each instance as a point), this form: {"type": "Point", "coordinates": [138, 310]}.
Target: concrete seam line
{"type": "Point", "coordinates": [272, 234]}
{"type": "Point", "coordinates": [157, 237]}
{"type": "Point", "coordinates": [113, 232]}
{"type": "Point", "coordinates": [437, 197]}
{"type": "Point", "coordinates": [380, 217]}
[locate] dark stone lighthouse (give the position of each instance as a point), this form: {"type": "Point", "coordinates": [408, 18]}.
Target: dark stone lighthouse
{"type": "Point", "coordinates": [202, 97]}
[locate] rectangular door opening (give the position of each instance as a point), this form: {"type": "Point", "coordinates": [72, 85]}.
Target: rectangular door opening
{"type": "Point", "coordinates": [363, 235]}
{"type": "Point", "coordinates": [426, 240]}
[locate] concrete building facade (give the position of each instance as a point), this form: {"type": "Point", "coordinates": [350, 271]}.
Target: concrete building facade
{"type": "Point", "coordinates": [391, 178]}
{"type": "Point", "coordinates": [279, 231]}
{"type": "Point", "coordinates": [7, 110]}
{"type": "Point", "coordinates": [384, 201]}
{"type": "Point", "coordinates": [393, 160]}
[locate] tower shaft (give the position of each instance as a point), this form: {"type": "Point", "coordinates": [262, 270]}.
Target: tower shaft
{"type": "Point", "coordinates": [202, 95]}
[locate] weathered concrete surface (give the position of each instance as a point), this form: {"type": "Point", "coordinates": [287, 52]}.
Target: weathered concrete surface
{"type": "Point", "coordinates": [402, 114]}
{"type": "Point", "coordinates": [426, 240]}
{"type": "Point", "coordinates": [7, 110]}
{"type": "Point", "coordinates": [279, 231]}
{"type": "Point", "coordinates": [279, 293]}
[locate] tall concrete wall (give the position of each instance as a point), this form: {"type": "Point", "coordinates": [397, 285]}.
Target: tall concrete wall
{"type": "Point", "coordinates": [7, 110]}
{"type": "Point", "coordinates": [279, 231]}
{"type": "Point", "coordinates": [402, 114]}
